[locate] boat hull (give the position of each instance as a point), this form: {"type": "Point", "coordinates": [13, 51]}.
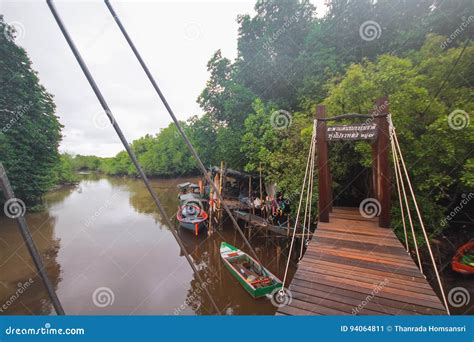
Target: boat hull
{"type": "Point", "coordinates": [254, 292]}
{"type": "Point", "coordinates": [192, 226]}
{"type": "Point", "coordinates": [457, 264]}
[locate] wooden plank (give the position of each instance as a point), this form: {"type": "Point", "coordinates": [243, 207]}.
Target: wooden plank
{"type": "Point", "coordinates": [371, 306]}
{"type": "Point", "coordinates": [360, 263]}
{"type": "Point", "coordinates": [369, 256]}
{"type": "Point", "coordinates": [351, 261]}
{"type": "Point", "coordinates": [363, 246]}
{"type": "Point", "coordinates": [389, 263]}
{"type": "Point", "coordinates": [293, 311]}
{"type": "Point", "coordinates": [389, 304]}
{"type": "Point", "coordinates": [364, 277]}
{"type": "Point", "coordinates": [318, 309]}
{"type": "Point", "coordinates": [354, 229]}
{"type": "Point", "coordinates": [419, 280]}
{"type": "Point", "coordinates": [381, 241]}
{"type": "Point", "coordinates": [365, 288]}
{"type": "Point", "coordinates": [322, 300]}
{"type": "Point", "coordinates": [363, 273]}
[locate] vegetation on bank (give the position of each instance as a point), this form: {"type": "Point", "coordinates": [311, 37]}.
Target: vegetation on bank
{"type": "Point", "coordinates": [289, 60]}
{"type": "Point", "coordinates": [29, 128]}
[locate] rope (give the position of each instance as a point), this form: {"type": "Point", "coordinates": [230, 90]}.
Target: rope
{"type": "Point", "coordinates": [297, 215]}
{"type": "Point", "coordinates": [396, 164]}
{"type": "Point", "coordinates": [421, 223]}
{"type": "Point", "coordinates": [309, 191]}
{"type": "Point", "coordinates": [407, 205]}
{"type": "Point", "coordinates": [400, 196]}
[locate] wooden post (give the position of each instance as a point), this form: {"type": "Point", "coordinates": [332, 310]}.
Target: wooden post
{"type": "Point", "coordinates": [261, 190]}
{"type": "Point", "coordinates": [323, 169]}
{"type": "Point", "coordinates": [375, 192]}
{"type": "Point", "coordinates": [383, 175]}
{"type": "Point", "coordinates": [250, 196]}
{"type": "Point", "coordinates": [219, 212]}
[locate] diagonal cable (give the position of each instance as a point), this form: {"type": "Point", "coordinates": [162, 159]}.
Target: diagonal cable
{"type": "Point", "coordinates": [178, 126]}
{"type": "Point", "coordinates": [129, 150]}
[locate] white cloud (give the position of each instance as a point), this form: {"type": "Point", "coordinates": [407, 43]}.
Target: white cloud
{"type": "Point", "coordinates": [176, 39]}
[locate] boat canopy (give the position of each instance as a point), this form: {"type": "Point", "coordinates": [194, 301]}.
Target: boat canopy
{"type": "Point", "coordinates": [232, 173]}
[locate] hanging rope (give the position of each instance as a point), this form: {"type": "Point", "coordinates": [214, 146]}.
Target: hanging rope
{"type": "Point", "coordinates": [425, 235]}
{"type": "Point", "coordinates": [399, 195]}
{"type": "Point", "coordinates": [407, 207]}
{"type": "Point", "coordinates": [313, 138]}
{"type": "Point", "coordinates": [309, 192]}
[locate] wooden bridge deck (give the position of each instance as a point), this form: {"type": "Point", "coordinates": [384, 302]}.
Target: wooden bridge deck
{"type": "Point", "coordinates": [354, 267]}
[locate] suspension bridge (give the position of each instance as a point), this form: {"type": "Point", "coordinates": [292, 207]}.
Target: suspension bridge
{"type": "Point", "coordinates": [354, 263]}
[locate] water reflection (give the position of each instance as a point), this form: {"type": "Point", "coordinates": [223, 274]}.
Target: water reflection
{"type": "Point", "coordinates": [106, 233]}
{"type": "Point", "coordinates": [21, 290]}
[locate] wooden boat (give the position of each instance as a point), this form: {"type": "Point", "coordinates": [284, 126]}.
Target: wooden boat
{"type": "Point", "coordinates": [192, 217]}
{"type": "Point", "coordinates": [463, 261]}
{"type": "Point", "coordinates": [255, 279]}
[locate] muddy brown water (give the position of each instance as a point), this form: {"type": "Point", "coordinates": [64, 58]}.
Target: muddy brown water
{"type": "Point", "coordinates": [108, 252]}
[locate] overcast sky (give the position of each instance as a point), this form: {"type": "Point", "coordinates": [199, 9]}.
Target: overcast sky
{"type": "Point", "coordinates": [176, 39]}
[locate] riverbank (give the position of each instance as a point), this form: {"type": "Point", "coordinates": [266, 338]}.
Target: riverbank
{"type": "Point", "coordinates": [106, 233]}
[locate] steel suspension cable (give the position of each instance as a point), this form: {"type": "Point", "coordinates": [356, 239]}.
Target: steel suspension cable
{"type": "Point", "coordinates": [130, 152]}
{"type": "Point", "coordinates": [178, 126]}
{"type": "Point", "coordinates": [30, 243]}
{"type": "Point", "coordinates": [441, 288]}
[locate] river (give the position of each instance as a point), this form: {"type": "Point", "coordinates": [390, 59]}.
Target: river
{"type": "Point", "coordinates": [107, 251]}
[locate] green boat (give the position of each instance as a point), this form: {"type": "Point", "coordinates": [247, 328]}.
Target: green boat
{"type": "Point", "coordinates": [255, 279]}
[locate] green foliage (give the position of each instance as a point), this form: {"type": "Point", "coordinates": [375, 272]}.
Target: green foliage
{"type": "Point", "coordinates": [30, 130]}
{"type": "Point", "coordinates": [64, 172]}
{"type": "Point", "coordinates": [436, 154]}
{"type": "Point", "coordinates": [85, 163]}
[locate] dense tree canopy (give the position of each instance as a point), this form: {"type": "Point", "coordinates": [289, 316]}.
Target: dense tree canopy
{"type": "Point", "coordinates": [30, 130]}
{"type": "Point", "coordinates": [289, 60]}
